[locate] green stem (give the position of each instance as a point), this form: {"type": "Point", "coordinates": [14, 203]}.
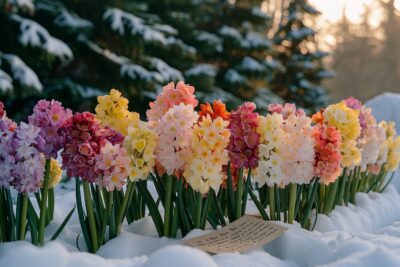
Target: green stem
{"type": "Point", "coordinates": [43, 207]}
{"type": "Point", "coordinates": [106, 217]}
{"type": "Point", "coordinates": [167, 213]}
{"type": "Point", "coordinates": [292, 202]}
{"type": "Point", "coordinates": [24, 211]}
{"type": "Point", "coordinates": [271, 195]}
{"type": "Point", "coordinates": [199, 205]}
{"type": "Point", "coordinates": [239, 194]}
{"type": "Point", "coordinates": [90, 216]}
{"type": "Point", "coordinates": [310, 203]}
{"type": "Point", "coordinates": [331, 197]}
{"type": "Point", "coordinates": [124, 205]}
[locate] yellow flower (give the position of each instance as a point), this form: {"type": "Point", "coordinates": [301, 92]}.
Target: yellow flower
{"type": "Point", "coordinates": [140, 143]}
{"type": "Point", "coordinates": [346, 121]}
{"type": "Point", "coordinates": [393, 145]}
{"type": "Point", "coordinates": [207, 155]}
{"type": "Point", "coordinates": [55, 173]}
{"type": "Point", "coordinates": [112, 111]}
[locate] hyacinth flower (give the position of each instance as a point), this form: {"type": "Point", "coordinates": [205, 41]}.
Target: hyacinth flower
{"type": "Point", "coordinates": [388, 159]}
{"type": "Point", "coordinates": [112, 111]}
{"type": "Point", "coordinates": [204, 177]}
{"type": "Point", "coordinates": [345, 118]}
{"type": "Point", "coordinates": [286, 161]}
{"type": "Point", "coordinates": [49, 117]}
{"type": "Point", "coordinates": [243, 155]}
{"type": "Point", "coordinates": [7, 160]}
{"type": "Point", "coordinates": [95, 157]}
{"type": "Point", "coordinates": [140, 143]}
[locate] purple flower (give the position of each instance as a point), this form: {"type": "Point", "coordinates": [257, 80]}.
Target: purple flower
{"type": "Point", "coordinates": [50, 117]}
{"type": "Point", "coordinates": [27, 166]}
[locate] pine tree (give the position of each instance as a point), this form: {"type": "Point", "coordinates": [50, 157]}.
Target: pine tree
{"type": "Point", "coordinates": [297, 51]}
{"type": "Point", "coordinates": [74, 51]}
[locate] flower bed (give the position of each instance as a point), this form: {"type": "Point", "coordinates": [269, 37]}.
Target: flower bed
{"type": "Point", "coordinates": [205, 165]}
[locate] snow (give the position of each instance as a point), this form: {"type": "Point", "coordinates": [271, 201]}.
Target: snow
{"type": "Point", "coordinates": [165, 28]}
{"type": "Point", "coordinates": [256, 11]}
{"type": "Point", "coordinates": [167, 72]}
{"type": "Point", "coordinates": [33, 34]}
{"type": "Point", "coordinates": [71, 20]}
{"type": "Point", "coordinates": [298, 34]}
{"type": "Point", "coordinates": [255, 40]}
{"type": "Point", "coordinates": [22, 73]}
{"type": "Point", "coordinates": [386, 107]}
{"type": "Point", "coordinates": [172, 41]}
{"type": "Point", "coordinates": [124, 22]}
{"type": "Point", "coordinates": [137, 72]}
{"type": "Point", "coordinates": [232, 76]}
{"type": "Point", "coordinates": [5, 82]}
{"type": "Point", "coordinates": [250, 64]}
{"type": "Point", "coordinates": [227, 31]}
{"type": "Point", "coordinates": [24, 4]}
{"type": "Point", "coordinates": [202, 69]}
{"type": "Point", "coordinates": [211, 39]}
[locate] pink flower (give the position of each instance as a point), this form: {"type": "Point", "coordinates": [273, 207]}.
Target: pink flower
{"type": "Point", "coordinates": [50, 116]}
{"type": "Point", "coordinates": [327, 153]}
{"type": "Point", "coordinates": [244, 139]}
{"type": "Point", "coordinates": [286, 110]}
{"type": "Point", "coordinates": [1, 109]}
{"type": "Point", "coordinates": [170, 97]}
{"type": "Point", "coordinates": [111, 166]}
{"type": "Point", "coordinates": [175, 132]}
{"type": "Point", "coordinates": [84, 138]}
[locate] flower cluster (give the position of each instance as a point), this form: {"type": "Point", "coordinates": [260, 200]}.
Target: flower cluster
{"type": "Point", "coordinates": [112, 166]}
{"type": "Point", "coordinates": [393, 145]}
{"type": "Point", "coordinates": [270, 158]}
{"type": "Point", "coordinates": [140, 144]}
{"type": "Point", "coordinates": [218, 109]}
{"type": "Point", "coordinates": [174, 132]}
{"type": "Point", "coordinates": [50, 116]}
{"type": "Point", "coordinates": [28, 169]}
{"type": "Point", "coordinates": [84, 138]}
{"type": "Point", "coordinates": [112, 111]}
{"type": "Point", "coordinates": [169, 97]}
{"type": "Point", "coordinates": [327, 153]}
{"type": "Point", "coordinates": [210, 139]}
{"type": "Point", "coordinates": [244, 139]}
{"type": "Point", "coordinates": [7, 159]}
{"type": "Point", "coordinates": [298, 144]}
{"type": "Point", "coordinates": [346, 120]}
{"type": "Point", "coordinates": [55, 173]}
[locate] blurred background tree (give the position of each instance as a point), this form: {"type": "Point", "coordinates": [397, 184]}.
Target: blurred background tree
{"type": "Point", "coordinates": [297, 50]}
{"type": "Point", "coordinates": [74, 51]}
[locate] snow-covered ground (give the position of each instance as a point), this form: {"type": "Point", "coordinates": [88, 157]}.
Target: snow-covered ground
{"type": "Point", "coordinates": [367, 234]}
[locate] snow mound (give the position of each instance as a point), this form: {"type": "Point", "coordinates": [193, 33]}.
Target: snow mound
{"type": "Point", "coordinates": [180, 256]}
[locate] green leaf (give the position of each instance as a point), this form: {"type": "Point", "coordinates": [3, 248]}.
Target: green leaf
{"type": "Point", "coordinates": [82, 217]}
{"type": "Point", "coordinates": [64, 223]}
{"type": "Point", "coordinates": [33, 221]}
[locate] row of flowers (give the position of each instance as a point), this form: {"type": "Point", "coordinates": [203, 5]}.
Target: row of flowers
{"type": "Point", "coordinates": [204, 164]}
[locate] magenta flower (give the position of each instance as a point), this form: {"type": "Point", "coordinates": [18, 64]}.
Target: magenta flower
{"type": "Point", "coordinates": [244, 139]}
{"type": "Point", "coordinates": [7, 159]}
{"type": "Point", "coordinates": [285, 109]}
{"type": "Point", "coordinates": [84, 137]}
{"type": "Point", "coordinates": [50, 116]}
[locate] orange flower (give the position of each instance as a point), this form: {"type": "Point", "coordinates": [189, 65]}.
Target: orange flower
{"type": "Point", "coordinates": [318, 118]}
{"type": "Point", "coordinates": [218, 109]}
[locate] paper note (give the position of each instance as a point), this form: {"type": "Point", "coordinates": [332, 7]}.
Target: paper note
{"type": "Point", "coordinates": [243, 234]}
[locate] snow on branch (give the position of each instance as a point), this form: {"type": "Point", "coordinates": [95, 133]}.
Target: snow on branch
{"type": "Point", "coordinates": [33, 34]}
{"type": "Point", "coordinates": [234, 77]}
{"type": "Point", "coordinates": [250, 64]}
{"type": "Point", "coordinates": [21, 73]}
{"type": "Point", "coordinates": [166, 71]}
{"type": "Point", "coordinates": [137, 72]}
{"type": "Point", "coordinates": [5, 82]}
{"type": "Point", "coordinates": [202, 69]}
{"type": "Point", "coordinates": [230, 32]}
{"type": "Point", "coordinates": [71, 20]}
{"type": "Point", "coordinates": [127, 23]}
{"type": "Point", "coordinates": [254, 40]}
